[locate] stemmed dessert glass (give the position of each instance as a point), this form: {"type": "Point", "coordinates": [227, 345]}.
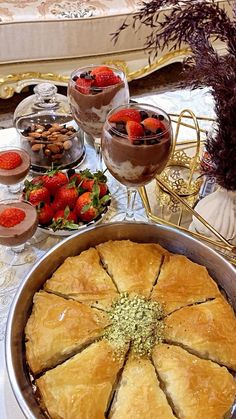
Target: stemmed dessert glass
{"type": "Point", "coordinates": [14, 166]}
{"type": "Point", "coordinates": [136, 145]}
{"type": "Point", "coordinates": [90, 104]}
{"type": "Point", "coordinates": [18, 223]}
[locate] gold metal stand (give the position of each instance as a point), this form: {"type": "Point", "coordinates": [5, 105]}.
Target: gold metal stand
{"type": "Point", "coordinates": [177, 188]}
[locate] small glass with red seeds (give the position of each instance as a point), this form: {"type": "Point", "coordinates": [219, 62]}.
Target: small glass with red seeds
{"type": "Point", "coordinates": [18, 224]}
{"type": "Point", "coordinates": [14, 167]}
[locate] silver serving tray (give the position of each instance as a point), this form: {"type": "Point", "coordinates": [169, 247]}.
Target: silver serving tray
{"type": "Point", "coordinates": [175, 241]}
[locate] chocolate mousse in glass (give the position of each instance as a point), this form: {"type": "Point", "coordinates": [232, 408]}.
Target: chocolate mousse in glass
{"type": "Point", "coordinates": [92, 92]}
{"type": "Point", "coordinates": [14, 166]}
{"type": "Point", "coordinates": [136, 145]}
{"type": "Point", "coordinates": [18, 223]}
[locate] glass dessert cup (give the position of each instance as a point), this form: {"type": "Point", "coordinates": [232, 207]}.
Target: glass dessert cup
{"type": "Point", "coordinates": [136, 151]}
{"type": "Point", "coordinates": [18, 224]}
{"type": "Point", "coordinates": [90, 107]}
{"type": "Point", "coordinates": [14, 166]}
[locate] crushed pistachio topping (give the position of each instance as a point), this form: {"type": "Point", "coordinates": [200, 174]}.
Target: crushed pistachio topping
{"type": "Point", "coordinates": [135, 321]}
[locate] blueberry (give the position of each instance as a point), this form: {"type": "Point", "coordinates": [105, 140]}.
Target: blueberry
{"type": "Point", "coordinates": [161, 117]}
{"type": "Point", "coordinates": [88, 77]}
{"type": "Point", "coordinates": [148, 132]}
{"type": "Point", "coordinates": [143, 115]}
{"type": "Point", "coordinates": [138, 142]}
{"type": "Point", "coordinates": [152, 141]}
{"type": "Point", "coordinates": [96, 90]}
{"type": "Point", "coordinates": [155, 116]}
{"type": "Point", "coordinates": [75, 78]}
{"type": "Point", "coordinates": [159, 131]}
{"type": "Point", "coordinates": [120, 126]}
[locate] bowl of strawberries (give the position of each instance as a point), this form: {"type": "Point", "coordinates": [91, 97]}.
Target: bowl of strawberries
{"type": "Point", "coordinates": [68, 202]}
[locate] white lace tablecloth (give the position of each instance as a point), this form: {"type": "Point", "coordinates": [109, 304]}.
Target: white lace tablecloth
{"type": "Point", "coordinates": [199, 101]}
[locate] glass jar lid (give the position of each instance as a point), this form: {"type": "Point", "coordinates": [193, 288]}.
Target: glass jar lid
{"type": "Point", "coordinates": [45, 98]}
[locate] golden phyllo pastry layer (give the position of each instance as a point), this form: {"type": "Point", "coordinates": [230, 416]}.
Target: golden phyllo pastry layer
{"type": "Point", "coordinates": [198, 388]}
{"type": "Point", "coordinates": [82, 387]}
{"type": "Point", "coordinates": [84, 279]}
{"type": "Point", "coordinates": [57, 327]}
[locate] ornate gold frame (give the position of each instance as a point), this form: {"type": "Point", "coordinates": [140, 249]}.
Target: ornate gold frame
{"type": "Point", "coordinates": [7, 87]}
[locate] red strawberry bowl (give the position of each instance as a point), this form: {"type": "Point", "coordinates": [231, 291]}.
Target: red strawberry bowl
{"type": "Point", "coordinates": [68, 202]}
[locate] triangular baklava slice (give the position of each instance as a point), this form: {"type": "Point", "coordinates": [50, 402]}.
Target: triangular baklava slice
{"type": "Point", "coordinates": [207, 329]}
{"type": "Point", "coordinates": [57, 328]}
{"type": "Point", "coordinates": [139, 394]}
{"type": "Point", "coordinates": [199, 389]}
{"type": "Point", "coordinates": [134, 267]}
{"type": "Point", "coordinates": [84, 279]}
{"type": "Point", "coordinates": [81, 387]}
{"type": "Point", "coordinates": [182, 282]}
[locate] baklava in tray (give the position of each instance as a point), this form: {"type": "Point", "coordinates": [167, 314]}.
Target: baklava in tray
{"type": "Point", "coordinates": [128, 330]}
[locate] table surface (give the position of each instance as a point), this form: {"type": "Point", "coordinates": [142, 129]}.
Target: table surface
{"type": "Point", "coordinates": [199, 101]}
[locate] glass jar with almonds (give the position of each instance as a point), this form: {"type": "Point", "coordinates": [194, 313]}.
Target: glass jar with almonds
{"type": "Point", "coordinates": [48, 131]}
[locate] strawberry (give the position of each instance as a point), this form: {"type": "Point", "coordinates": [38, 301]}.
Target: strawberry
{"type": "Point", "coordinates": [89, 206]}
{"type": "Point", "coordinates": [64, 219]}
{"type": "Point", "coordinates": [101, 69]}
{"type": "Point", "coordinates": [87, 180]}
{"type": "Point", "coordinates": [84, 85]}
{"type": "Point", "coordinates": [36, 193]}
{"type": "Point", "coordinates": [106, 78]}
{"type": "Point", "coordinates": [125, 115]}
{"type": "Point", "coordinates": [90, 179]}
{"type": "Point", "coordinates": [67, 195]}
{"type": "Point", "coordinates": [103, 189]}
{"type": "Point", "coordinates": [53, 180]}
{"type": "Point", "coordinates": [10, 217]}
{"type": "Point", "coordinates": [10, 160]}
{"type": "Point", "coordinates": [45, 213]}
{"type": "Point", "coordinates": [85, 208]}
{"type": "Point", "coordinates": [57, 205]}
{"type": "Point", "coordinates": [134, 130]}
{"type": "Point", "coordinates": [153, 125]}
{"type": "Point", "coordinates": [65, 214]}
{"type": "Point", "coordinates": [87, 184]}
{"type": "Point", "coordinates": [76, 177]}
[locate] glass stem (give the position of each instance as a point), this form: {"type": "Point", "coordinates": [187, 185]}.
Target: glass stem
{"type": "Point", "coordinates": [131, 195]}
{"type": "Point", "coordinates": [97, 145]}
{"type": "Point", "coordinates": [19, 248]}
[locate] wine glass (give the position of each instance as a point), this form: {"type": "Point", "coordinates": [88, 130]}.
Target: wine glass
{"type": "Point", "coordinates": [14, 166]}
{"type": "Point", "coordinates": [136, 145]}
{"type": "Point", "coordinates": [90, 103]}
{"type": "Point", "coordinates": [18, 223]}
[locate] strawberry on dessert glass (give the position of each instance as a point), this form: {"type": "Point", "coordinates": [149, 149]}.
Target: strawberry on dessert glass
{"type": "Point", "coordinates": [14, 166]}
{"type": "Point", "coordinates": [92, 92]}
{"type": "Point", "coordinates": [18, 223]}
{"type": "Point", "coordinates": [136, 145]}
